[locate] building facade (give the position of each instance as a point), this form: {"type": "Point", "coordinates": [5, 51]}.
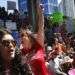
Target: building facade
{"type": "Point", "coordinates": [60, 6]}
{"type": "Point", "coordinates": [50, 6]}
{"type": "Point", "coordinates": [22, 6]}
{"type": "Point", "coordinates": [9, 5]}
{"type": "Point", "coordinates": [69, 8]}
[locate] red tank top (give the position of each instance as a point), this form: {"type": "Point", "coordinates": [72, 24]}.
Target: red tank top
{"type": "Point", "coordinates": [36, 52]}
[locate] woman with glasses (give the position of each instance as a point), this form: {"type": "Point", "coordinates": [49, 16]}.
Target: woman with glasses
{"type": "Point", "coordinates": [10, 56]}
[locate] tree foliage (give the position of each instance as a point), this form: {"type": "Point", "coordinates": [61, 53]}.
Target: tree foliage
{"type": "Point", "coordinates": [57, 17]}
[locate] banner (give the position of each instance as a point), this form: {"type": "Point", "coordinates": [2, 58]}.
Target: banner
{"type": "Point", "coordinates": [11, 5]}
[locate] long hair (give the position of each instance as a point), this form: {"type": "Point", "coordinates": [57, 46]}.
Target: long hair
{"type": "Point", "coordinates": [16, 62]}
{"type": "Point", "coordinates": [3, 31]}
{"type": "Point", "coordinates": [32, 36]}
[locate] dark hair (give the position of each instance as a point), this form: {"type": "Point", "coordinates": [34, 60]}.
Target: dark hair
{"type": "Point", "coordinates": [3, 31]}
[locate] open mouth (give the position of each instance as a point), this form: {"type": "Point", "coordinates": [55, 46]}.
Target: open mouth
{"type": "Point", "coordinates": [12, 54]}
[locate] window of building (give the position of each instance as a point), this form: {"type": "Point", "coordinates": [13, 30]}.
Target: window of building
{"type": "Point", "coordinates": [53, 1]}
{"type": "Point", "coordinates": [55, 8]}
{"type": "Point", "coordinates": [23, 5]}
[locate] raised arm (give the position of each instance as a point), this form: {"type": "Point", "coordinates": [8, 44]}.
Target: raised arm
{"type": "Point", "coordinates": [40, 24]}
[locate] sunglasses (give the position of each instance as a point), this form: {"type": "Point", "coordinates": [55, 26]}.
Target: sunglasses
{"type": "Point", "coordinates": [7, 42]}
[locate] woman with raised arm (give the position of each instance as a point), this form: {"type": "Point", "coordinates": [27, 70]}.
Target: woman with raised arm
{"type": "Point", "coordinates": [32, 46]}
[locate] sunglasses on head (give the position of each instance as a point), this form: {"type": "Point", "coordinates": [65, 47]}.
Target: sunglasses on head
{"type": "Point", "coordinates": [7, 42]}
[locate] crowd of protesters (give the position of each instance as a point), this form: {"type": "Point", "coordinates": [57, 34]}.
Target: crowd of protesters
{"type": "Point", "coordinates": [4, 15]}
{"type": "Point", "coordinates": [14, 16]}
{"type": "Point", "coordinates": [60, 55]}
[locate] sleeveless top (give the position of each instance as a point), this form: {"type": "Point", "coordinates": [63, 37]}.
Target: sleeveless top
{"type": "Point", "coordinates": [36, 52]}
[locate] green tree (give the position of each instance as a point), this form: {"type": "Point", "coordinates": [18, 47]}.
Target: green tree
{"type": "Point", "coordinates": [57, 17]}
